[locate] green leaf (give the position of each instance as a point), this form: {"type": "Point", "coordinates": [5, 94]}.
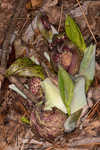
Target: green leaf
{"type": "Point", "coordinates": [25, 67]}
{"type": "Point", "coordinates": [87, 67]}
{"type": "Point", "coordinates": [66, 87]}
{"type": "Point", "coordinates": [52, 94]}
{"type": "Point", "coordinates": [18, 64]}
{"type": "Point", "coordinates": [35, 71]}
{"type": "Point", "coordinates": [25, 120]}
{"type": "Point", "coordinates": [78, 103]}
{"type": "Point", "coordinates": [79, 97]}
{"type": "Point", "coordinates": [74, 34]}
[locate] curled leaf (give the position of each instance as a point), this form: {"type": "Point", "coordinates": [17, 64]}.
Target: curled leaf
{"type": "Point", "coordinates": [66, 87]}
{"type": "Point", "coordinates": [25, 67]}
{"type": "Point", "coordinates": [79, 97]}
{"type": "Point", "coordinates": [47, 34]}
{"type": "Point", "coordinates": [71, 122]}
{"type": "Point", "coordinates": [77, 104]}
{"type": "Point", "coordinates": [52, 94]}
{"type": "Point", "coordinates": [87, 67]}
{"type": "Point", "coordinates": [74, 34]}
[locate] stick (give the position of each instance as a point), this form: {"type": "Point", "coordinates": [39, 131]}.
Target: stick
{"type": "Point", "coordinates": [86, 21]}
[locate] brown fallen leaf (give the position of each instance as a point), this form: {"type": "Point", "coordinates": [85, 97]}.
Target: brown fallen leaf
{"type": "Point", "coordinates": [36, 3]}
{"type": "Point", "coordinates": [33, 4]}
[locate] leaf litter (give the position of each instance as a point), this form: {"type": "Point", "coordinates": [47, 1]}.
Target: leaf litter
{"type": "Point", "coordinates": [39, 40]}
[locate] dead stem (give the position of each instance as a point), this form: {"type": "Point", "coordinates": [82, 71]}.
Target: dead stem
{"type": "Point", "coordinates": [60, 17]}
{"type": "Point", "coordinates": [85, 18]}
{"type": "Point", "coordinates": [86, 141]}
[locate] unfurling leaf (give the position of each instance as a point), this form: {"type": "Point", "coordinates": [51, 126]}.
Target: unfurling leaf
{"type": "Point", "coordinates": [25, 67]}
{"type": "Point", "coordinates": [87, 67]}
{"type": "Point", "coordinates": [66, 87]}
{"type": "Point", "coordinates": [47, 34]}
{"type": "Point", "coordinates": [71, 122]}
{"type": "Point", "coordinates": [52, 94]}
{"type": "Point", "coordinates": [74, 34]}
{"type": "Point", "coordinates": [77, 104]}
{"type": "Point", "coordinates": [79, 97]}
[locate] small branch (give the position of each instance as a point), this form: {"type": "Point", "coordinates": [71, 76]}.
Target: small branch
{"type": "Point", "coordinates": [85, 18]}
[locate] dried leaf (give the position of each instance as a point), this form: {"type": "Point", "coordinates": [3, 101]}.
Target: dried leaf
{"type": "Point", "coordinates": [47, 34]}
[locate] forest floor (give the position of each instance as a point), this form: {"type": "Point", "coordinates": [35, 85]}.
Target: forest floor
{"type": "Point", "coordinates": [17, 39]}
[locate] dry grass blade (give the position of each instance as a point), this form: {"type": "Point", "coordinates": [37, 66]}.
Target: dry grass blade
{"type": "Point", "coordinates": [85, 141]}
{"type": "Point", "coordinates": [93, 110]}
{"type": "Point", "coordinates": [85, 18]}
{"type": "Point", "coordinates": [60, 17]}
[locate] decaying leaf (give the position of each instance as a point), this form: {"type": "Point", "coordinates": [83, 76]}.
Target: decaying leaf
{"type": "Point", "coordinates": [36, 3]}
{"type": "Point", "coordinates": [33, 4]}
{"type": "Point", "coordinates": [47, 34]}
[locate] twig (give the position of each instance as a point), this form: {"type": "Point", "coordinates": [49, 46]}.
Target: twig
{"type": "Point", "coordinates": [85, 141]}
{"type": "Point", "coordinates": [85, 18]}
{"type": "Point", "coordinates": [48, 72]}
{"type": "Point", "coordinates": [22, 88]}
{"type": "Point", "coordinates": [93, 110]}
{"type": "Point", "coordinates": [60, 17]}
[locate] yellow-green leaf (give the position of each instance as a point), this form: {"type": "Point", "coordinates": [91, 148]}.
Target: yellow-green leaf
{"type": "Point", "coordinates": [25, 120]}
{"type": "Point", "coordinates": [66, 87]}
{"type": "Point", "coordinates": [74, 34]}
{"type": "Point", "coordinates": [25, 67]}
